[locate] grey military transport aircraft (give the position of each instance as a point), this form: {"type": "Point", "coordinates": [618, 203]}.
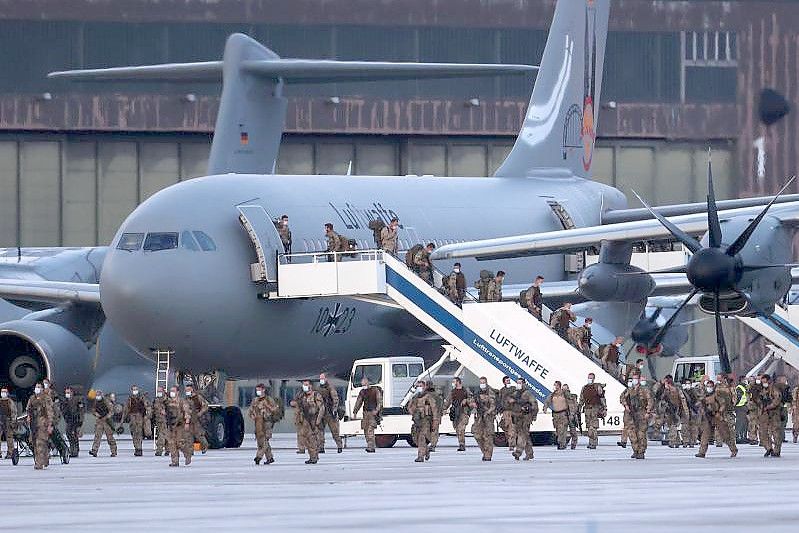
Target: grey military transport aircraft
{"type": "Point", "coordinates": [177, 274]}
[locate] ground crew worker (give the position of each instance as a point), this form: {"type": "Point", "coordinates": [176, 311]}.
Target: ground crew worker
{"type": "Point", "coordinates": [312, 411]}
{"type": "Point", "coordinates": [371, 399]}
{"type": "Point", "coordinates": [609, 356]}
{"type": "Point", "coordinates": [507, 396]}
{"type": "Point", "coordinates": [199, 408]}
{"type": "Point", "coordinates": [494, 290]}
{"type": "Point", "coordinates": [638, 410]}
{"type": "Point", "coordinates": [573, 417]}
{"type": "Point", "coordinates": [103, 413]}
{"type": "Point", "coordinates": [771, 432]}
{"type": "Point", "coordinates": [388, 237]}
{"type": "Point", "coordinates": [285, 233]}
{"type": "Point", "coordinates": [674, 409]}
{"type": "Point", "coordinates": [8, 421]}
{"type": "Point", "coordinates": [592, 403]}
{"type": "Point", "coordinates": [159, 413]}
{"type": "Point", "coordinates": [525, 411]}
{"type": "Point", "coordinates": [262, 412]}
{"type": "Point", "coordinates": [73, 410]}
{"type": "Point", "coordinates": [458, 404]}
{"type": "Point", "coordinates": [331, 399]}
{"type": "Point", "coordinates": [423, 264]}
{"type": "Point", "coordinates": [561, 319]}
{"type": "Point", "coordinates": [423, 408]}
{"type": "Point", "coordinates": [535, 300]}
{"type": "Point", "coordinates": [40, 420]}
{"type": "Point", "coordinates": [178, 414]}
{"type": "Point", "coordinates": [795, 413]}
{"type": "Point", "coordinates": [556, 401]}
{"type": "Point", "coordinates": [741, 399]}
{"type": "Point", "coordinates": [431, 389]}
{"type": "Point", "coordinates": [456, 285]}
{"type": "Point", "coordinates": [134, 413]}
{"type": "Point", "coordinates": [333, 243]}
{"type": "Point", "coordinates": [484, 404]}
{"type": "Point", "coordinates": [714, 407]}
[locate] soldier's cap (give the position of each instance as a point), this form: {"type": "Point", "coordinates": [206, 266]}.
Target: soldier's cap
{"type": "Point", "coordinates": [284, 216]}
{"type": "Point", "coordinates": [260, 386]}
{"type": "Point", "coordinates": [457, 264]}
{"type": "Point", "coordinates": [500, 273]}
{"type": "Point", "coordinates": [431, 245]}
{"type": "Point", "coordinates": [766, 377]}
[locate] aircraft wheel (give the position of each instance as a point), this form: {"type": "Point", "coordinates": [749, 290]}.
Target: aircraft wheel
{"type": "Point", "coordinates": [234, 421]}
{"type": "Point", "coordinates": [15, 457]}
{"type": "Point", "coordinates": [216, 431]}
{"type": "Point", "coordinates": [385, 441]}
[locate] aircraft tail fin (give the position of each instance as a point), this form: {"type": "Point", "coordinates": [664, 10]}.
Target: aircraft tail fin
{"type": "Point", "coordinates": [252, 110]}
{"type": "Point", "coordinates": [559, 130]}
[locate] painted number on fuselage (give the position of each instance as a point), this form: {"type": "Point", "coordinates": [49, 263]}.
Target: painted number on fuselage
{"type": "Point", "coordinates": [335, 321]}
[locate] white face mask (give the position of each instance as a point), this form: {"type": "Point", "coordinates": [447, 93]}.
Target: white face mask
{"type": "Point", "coordinates": [259, 392]}
{"type": "Point", "coordinates": [188, 393]}
{"type": "Point", "coordinates": [483, 386]}
{"type": "Point", "coordinates": [635, 382]}
{"type": "Point", "coordinates": [46, 385]}
{"type": "Point", "coordinates": [322, 381]}
{"type": "Point", "coordinates": [643, 382]}
{"type": "Point", "coordinates": [685, 386]}
{"type": "Point", "coordinates": [37, 390]}
{"type": "Point", "coordinates": [135, 392]}
{"type": "Point", "coordinates": [99, 397]}
{"type": "Point", "coordinates": [159, 394]}
{"type": "Point", "coordinates": [456, 270]}
{"type": "Point", "coordinates": [419, 390]}
{"type": "Point", "coordinates": [764, 384]}
{"type": "Point", "coordinates": [590, 380]}
{"type": "Point", "coordinates": [641, 366]}
{"type": "Point", "coordinates": [3, 394]}
{"type": "Point", "coordinates": [172, 394]}
{"type": "Point", "coordinates": [113, 398]}
{"type": "Point", "coordinates": [709, 390]}
{"type": "Point", "coordinates": [305, 388]}
{"type": "Point", "coordinates": [68, 395]}
{"type": "Point", "coordinates": [518, 386]}
{"type": "Point", "coordinates": [630, 383]}
{"type": "Point", "coordinates": [454, 384]}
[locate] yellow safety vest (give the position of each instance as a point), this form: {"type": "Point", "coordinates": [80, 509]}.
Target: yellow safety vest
{"type": "Point", "coordinates": [744, 396]}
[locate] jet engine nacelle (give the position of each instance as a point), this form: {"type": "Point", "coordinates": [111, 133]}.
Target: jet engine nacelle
{"type": "Point", "coordinates": [615, 282]}
{"type": "Point", "coordinates": [31, 350]}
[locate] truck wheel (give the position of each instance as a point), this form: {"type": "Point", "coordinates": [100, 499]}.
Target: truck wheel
{"type": "Point", "coordinates": [385, 441]}
{"type": "Point", "coordinates": [216, 430]}
{"type": "Point", "coordinates": [501, 440]}
{"type": "Point", "coordinates": [234, 421]}
{"type": "Point", "coordinates": [410, 441]}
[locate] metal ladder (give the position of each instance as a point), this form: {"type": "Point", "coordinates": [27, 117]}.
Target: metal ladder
{"type": "Point", "coordinates": [162, 358]}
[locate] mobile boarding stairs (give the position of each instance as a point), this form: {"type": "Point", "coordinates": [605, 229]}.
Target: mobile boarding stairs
{"type": "Point", "coordinates": [488, 339]}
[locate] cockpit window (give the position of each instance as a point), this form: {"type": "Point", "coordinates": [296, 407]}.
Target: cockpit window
{"type": "Point", "coordinates": [206, 242]}
{"type": "Point", "coordinates": [188, 242]}
{"type": "Point", "coordinates": [130, 241]}
{"type": "Point", "coordinates": [160, 241]}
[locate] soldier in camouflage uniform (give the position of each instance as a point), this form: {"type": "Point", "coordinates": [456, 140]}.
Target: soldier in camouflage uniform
{"type": "Point", "coordinates": [177, 416]}
{"type": "Point", "coordinates": [73, 409]}
{"type": "Point", "coordinates": [285, 233]}
{"type": "Point", "coordinates": [580, 337]}
{"type": "Point", "coordinates": [8, 420]}
{"type": "Point", "coordinates": [103, 413]}
{"type": "Point", "coordinates": [431, 389]}
{"type": "Point", "coordinates": [561, 319]}
{"type": "Point", "coordinates": [535, 300]}
{"type": "Point", "coordinates": [40, 419]}
{"type": "Point", "coordinates": [199, 409]}
{"type": "Point", "coordinates": [714, 408]}
{"type": "Point", "coordinates": [423, 409]}
{"type": "Point", "coordinates": [330, 396]}
{"type": "Point", "coordinates": [51, 393]}
{"type": "Point", "coordinates": [753, 411]}
{"type": "Point", "coordinates": [507, 396]}
{"type": "Point", "coordinates": [134, 413]}
{"type": "Point", "coordinates": [159, 415]}
{"type": "Point", "coordinates": [770, 423]}
{"type": "Point", "coordinates": [333, 242]}
{"type": "Point", "coordinates": [263, 412]}
{"type": "Point", "coordinates": [312, 411]}
{"type": "Point", "coordinates": [593, 404]}
{"type": "Point", "coordinates": [525, 411]}
{"type": "Point", "coordinates": [494, 290]}
{"type": "Point", "coordinates": [609, 356]}
{"type": "Point", "coordinates": [691, 417]}
{"type": "Point", "coordinates": [456, 285]}
{"type": "Point", "coordinates": [423, 263]}
{"type": "Point", "coordinates": [458, 404]}
{"type": "Point", "coordinates": [675, 409]}
{"type": "Point", "coordinates": [574, 416]}
{"type": "Point", "coordinates": [795, 413]}
{"type": "Point", "coordinates": [371, 399]}
{"type": "Point", "coordinates": [638, 410]}
{"type": "Point", "coordinates": [557, 402]}
{"type": "Point", "coordinates": [484, 405]}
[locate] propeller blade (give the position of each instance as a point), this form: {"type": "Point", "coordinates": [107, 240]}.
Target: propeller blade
{"type": "Point", "coordinates": [674, 270]}
{"type": "Point", "coordinates": [761, 267]}
{"type": "Point", "coordinates": [662, 331]}
{"type": "Point", "coordinates": [687, 241]}
{"type": "Point", "coordinates": [656, 314]}
{"type": "Point", "coordinates": [723, 357]}
{"type": "Point", "coordinates": [742, 239]}
{"type": "Point", "coordinates": [713, 225]}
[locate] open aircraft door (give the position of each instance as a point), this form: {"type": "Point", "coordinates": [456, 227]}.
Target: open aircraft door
{"type": "Point", "coordinates": [265, 239]}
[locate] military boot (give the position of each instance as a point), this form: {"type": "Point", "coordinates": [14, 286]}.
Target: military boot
{"type": "Point", "coordinates": [419, 460]}
{"type": "Point", "coordinates": [137, 453]}
{"type": "Point", "coordinates": [270, 460]}
{"type": "Point", "coordinates": [311, 462]}
{"type": "Point", "coordinates": [257, 459]}
{"type": "Point", "coordinates": [93, 453]}
{"type": "Point", "coordinates": [700, 454]}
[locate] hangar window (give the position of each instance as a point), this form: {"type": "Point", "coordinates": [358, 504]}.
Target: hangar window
{"type": "Point", "coordinates": [206, 243]}
{"type": "Point", "coordinates": [130, 241]}
{"type": "Point", "coordinates": [373, 372]}
{"type": "Point", "coordinates": [160, 241]}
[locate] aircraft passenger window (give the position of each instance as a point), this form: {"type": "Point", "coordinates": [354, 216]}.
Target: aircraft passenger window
{"type": "Point", "coordinates": [399, 370]}
{"type": "Point", "coordinates": [373, 372]}
{"type": "Point", "coordinates": [156, 242]}
{"type": "Point", "coordinates": [188, 242]}
{"type": "Point", "coordinates": [414, 369]}
{"type": "Point", "coordinates": [130, 241]}
{"type": "Point", "coordinates": [206, 243]}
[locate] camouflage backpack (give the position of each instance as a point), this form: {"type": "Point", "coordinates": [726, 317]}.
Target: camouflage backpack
{"type": "Point", "coordinates": [482, 284]}
{"type": "Point", "coordinates": [278, 415]}
{"type": "Point", "coordinates": [376, 226]}
{"type": "Point", "coordinates": [409, 255]}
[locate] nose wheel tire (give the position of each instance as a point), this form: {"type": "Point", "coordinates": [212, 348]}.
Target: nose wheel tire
{"type": "Point", "coordinates": [385, 441]}
{"type": "Point", "coordinates": [234, 421]}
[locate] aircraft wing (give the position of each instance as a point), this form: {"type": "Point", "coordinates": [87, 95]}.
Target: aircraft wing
{"type": "Point", "coordinates": [579, 239]}
{"type": "Point", "coordinates": [49, 292]}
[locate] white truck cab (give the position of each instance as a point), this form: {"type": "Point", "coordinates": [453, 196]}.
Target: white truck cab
{"type": "Point", "coordinates": [394, 375]}
{"type": "Point", "coordinates": [693, 368]}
